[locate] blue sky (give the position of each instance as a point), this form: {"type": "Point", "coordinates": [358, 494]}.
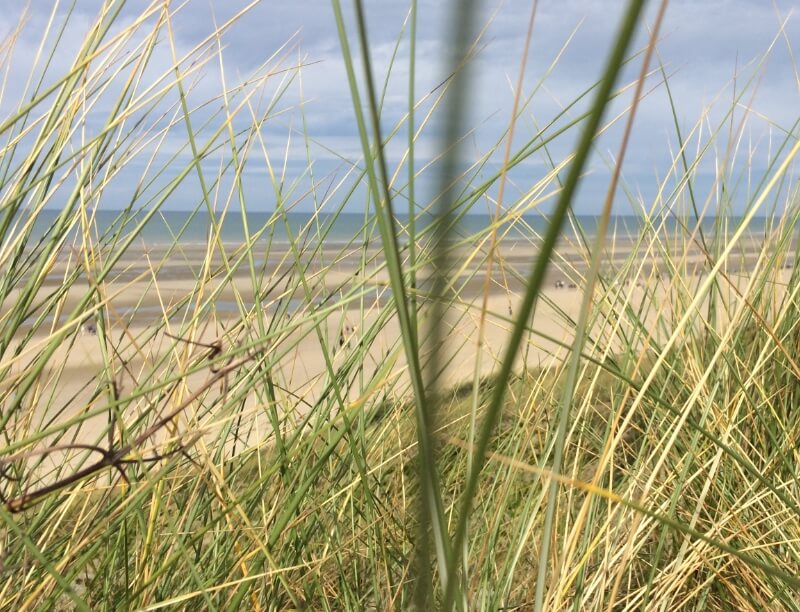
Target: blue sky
{"type": "Point", "coordinates": [704, 46]}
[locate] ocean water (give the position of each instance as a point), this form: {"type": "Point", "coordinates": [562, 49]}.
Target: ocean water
{"type": "Point", "coordinates": [167, 227]}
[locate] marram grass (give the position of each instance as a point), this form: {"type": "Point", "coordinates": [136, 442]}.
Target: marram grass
{"type": "Point", "coordinates": [287, 421]}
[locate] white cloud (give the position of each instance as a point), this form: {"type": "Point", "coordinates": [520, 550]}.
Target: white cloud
{"type": "Point", "coordinates": [703, 43]}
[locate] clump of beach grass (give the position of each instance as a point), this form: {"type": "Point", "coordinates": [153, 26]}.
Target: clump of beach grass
{"type": "Point", "coordinates": [643, 455]}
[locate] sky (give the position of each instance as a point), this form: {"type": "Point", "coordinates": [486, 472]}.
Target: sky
{"type": "Point", "coordinates": [710, 50]}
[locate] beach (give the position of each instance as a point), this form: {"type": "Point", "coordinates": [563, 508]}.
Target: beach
{"type": "Point", "coordinates": [378, 305]}
{"type": "Point", "coordinates": [173, 315]}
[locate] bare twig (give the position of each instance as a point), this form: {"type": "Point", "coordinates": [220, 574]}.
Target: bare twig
{"type": "Point", "coordinates": [114, 458]}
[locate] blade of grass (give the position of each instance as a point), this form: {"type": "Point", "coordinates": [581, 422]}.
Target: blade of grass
{"type": "Point", "coordinates": [536, 277]}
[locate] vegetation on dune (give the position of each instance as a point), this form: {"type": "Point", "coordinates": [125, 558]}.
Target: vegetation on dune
{"type": "Point", "coordinates": [648, 460]}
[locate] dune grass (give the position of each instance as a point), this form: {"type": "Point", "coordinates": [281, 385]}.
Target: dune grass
{"type": "Point", "coordinates": [643, 455]}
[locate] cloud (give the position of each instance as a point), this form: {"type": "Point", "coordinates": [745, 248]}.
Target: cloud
{"type": "Point", "coordinates": [710, 50]}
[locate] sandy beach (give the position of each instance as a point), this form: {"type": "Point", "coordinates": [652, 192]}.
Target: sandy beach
{"type": "Point", "coordinates": [170, 318]}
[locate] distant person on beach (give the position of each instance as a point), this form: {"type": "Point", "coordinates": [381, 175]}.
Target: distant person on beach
{"type": "Point", "coordinates": [344, 336]}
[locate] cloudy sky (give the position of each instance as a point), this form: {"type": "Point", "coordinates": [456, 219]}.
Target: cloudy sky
{"type": "Point", "coordinates": [711, 50]}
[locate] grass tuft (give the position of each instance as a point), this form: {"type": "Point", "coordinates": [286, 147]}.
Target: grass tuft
{"type": "Point", "coordinates": [226, 408]}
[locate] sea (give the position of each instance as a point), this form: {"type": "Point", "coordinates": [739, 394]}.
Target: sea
{"type": "Point", "coordinates": [188, 228]}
